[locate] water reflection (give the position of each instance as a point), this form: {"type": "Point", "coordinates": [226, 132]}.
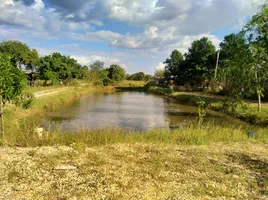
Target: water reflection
{"type": "Point", "coordinates": [129, 110]}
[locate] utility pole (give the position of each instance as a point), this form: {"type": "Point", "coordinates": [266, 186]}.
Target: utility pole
{"type": "Point", "coordinates": [217, 64]}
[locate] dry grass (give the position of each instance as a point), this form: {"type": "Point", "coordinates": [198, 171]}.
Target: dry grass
{"type": "Point", "coordinates": [136, 171]}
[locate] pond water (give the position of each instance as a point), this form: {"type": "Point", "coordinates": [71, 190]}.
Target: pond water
{"type": "Point", "coordinates": [127, 110]}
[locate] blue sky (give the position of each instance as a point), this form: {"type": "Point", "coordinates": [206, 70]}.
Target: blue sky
{"type": "Point", "coordinates": [136, 34]}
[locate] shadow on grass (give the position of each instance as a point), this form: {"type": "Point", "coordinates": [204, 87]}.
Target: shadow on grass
{"type": "Point", "coordinates": [259, 169]}
{"type": "Point", "coordinates": [191, 99]}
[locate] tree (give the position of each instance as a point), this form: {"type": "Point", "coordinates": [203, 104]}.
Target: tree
{"type": "Point", "coordinates": [256, 29]}
{"type": "Point", "coordinates": [148, 77]}
{"type": "Point", "coordinates": [32, 60]}
{"type": "Point", "coordinates": [172, 64]}
{"type": "Point", "coordinates": [116, 73]}
{"type": "Point", "coordinates": [97, 65]}
{"type": "Point", "coordinates": [20, 54]}
{"type": "Point", "coordinates": [12, 81]}
{"type": "Point", "coordinates": [97, 75]}
{"type": "Point", "coordinates": [236, 66]}
{"type": "Point", "coordinates": [57, 67]}
{"type": "Point", "coordinates": [137, 76]}
{"type": "Point", "coordinates": [199, 62]}
{"type": "Point", "coordinates": [159, 74]}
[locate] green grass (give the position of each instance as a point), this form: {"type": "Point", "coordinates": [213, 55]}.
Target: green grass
{"type": "Point", "coordinates": [184, 97]}
{"type": "Point", "coordinates": [191, 135]}
{"type": "Point", "coordinates": [127, 83]}
{"type": "Point", "coordinates": [247, 112]}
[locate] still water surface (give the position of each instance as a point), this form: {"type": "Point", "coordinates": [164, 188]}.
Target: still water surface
{"type": "Point", "coordinates": [128, 110]}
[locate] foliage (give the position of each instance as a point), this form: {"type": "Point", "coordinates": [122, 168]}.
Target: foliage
{"type": "Point", "coordinates": [196, 67]}
{"type": "Point", "coordinates": [97, 65]}
{"type": "Point", "coordinates": [12, 80]}
{"type": "Point", "coordinates": [199, 62]}
{"type": "Point", "coordinates": [97, 75]}
{"type": "Point", "coordinates": [20, 54]}
{"type": "Point", "coordinates": [57, 67]}
{"type": "Point", "coordinates": [236, 66]}
{"type": "Point", "coordinates": [116, 73]}
{"type": "Point", "coordinates": [201, 110]}
{"type": "Point", "coordinates": [139, 76]}
{"type": "Point", "coordinates": [256, 30]}
{"type": "Point", "coordinates": [159, 74]}
{"type": "Point", "coordinates": [148, 77]}
{"type": "Point", "coordinates": [172, 64]}
{"type": "Point", "coordinates": [24, 100]}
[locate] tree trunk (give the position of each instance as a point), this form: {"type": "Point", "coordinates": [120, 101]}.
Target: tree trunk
{"type": "Point", "coordinates": [217, 64]}
{"type": "Point", "coordinates": [259, 101]}
{"type": "Point", "coordinates": [258, 91]}
{"type": "Point", "coordinates": [2, 118]}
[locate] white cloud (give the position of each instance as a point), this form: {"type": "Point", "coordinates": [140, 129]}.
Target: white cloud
{"type": "Point", "coordinates": [167, 24]}
{"type": "Point", "coordinates": [87, 60]}
{"type": "Point", "coordinates": [160, 66]}
{"type": "Point", "coordinates": [37, 18]}
{"type": "Point", "coordinates": [95, 36]}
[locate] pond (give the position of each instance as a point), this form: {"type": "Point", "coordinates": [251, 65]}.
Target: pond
{"type": "Point", "coordinates": [137, 111]}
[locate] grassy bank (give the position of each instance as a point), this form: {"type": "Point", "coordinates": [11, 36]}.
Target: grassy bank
{"type": "Point", "coordinates": [21, 130]}
{"type": "Point", "coordinates": [135, 171]}
{"type": "Point", "coordinates": [194, 162]}
{"type": "Point", "coordinates": [127, 83]}
{"type": "Point", "coordinates": [188, 135]}
{"type": "Point", "coordinates": [246, 111]}
{"type": "Point", "coordinates": [20, 123]}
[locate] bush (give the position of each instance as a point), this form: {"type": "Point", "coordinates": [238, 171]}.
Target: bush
{"type": "Point", "coordinates": [24, 100]}
{"type": "Point", "coordinates": [107, 82]}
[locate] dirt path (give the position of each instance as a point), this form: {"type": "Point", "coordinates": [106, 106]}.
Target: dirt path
{"type": "Point", "coordinates": [50, 92]}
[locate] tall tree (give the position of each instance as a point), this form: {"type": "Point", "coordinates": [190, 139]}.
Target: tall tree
{"type": "Point", "coordinates": [97, 65]}
{"type": "Point", "coordinates": [160, 74]}
{"type": "Point", "coordinates": [236, 67]}
{"type": "Point", "coordinates": [59, 67]}
{"type": "Point", "coordinates": [20, 54]}
{"type": "Point", "coordinates": [257, 31]}
{"type": "Point", "coordinates": [12, 81]}
{"type": "Point", "coordinates": [116, 73]}
{"type": "Point", "coordinates": [200, 62]}
{"type": "Point", "coordinates": [97, 75]}
{"type": "Point", "coordinates": [172, 64]}
{"type": "Point", "coordinates": [139, 76]}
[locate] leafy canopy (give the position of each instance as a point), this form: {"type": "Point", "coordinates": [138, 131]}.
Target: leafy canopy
{"type": "Point", "coordinates": [12, 79]}
{"type": "Point", "coordinates": [20, 54]}
{"type": "Point", "coordinates": [116, 73]}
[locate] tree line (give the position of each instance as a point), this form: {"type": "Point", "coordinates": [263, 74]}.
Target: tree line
{"type": "Point", "coordinates": [16, 57]}
{"type": "Point", "coordinates": [240, 66]}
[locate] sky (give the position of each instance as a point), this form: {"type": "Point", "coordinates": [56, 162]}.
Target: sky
{"type": "Point", "coordinates": [136, 34]}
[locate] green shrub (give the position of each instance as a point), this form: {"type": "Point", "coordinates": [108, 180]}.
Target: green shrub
{"type": "Point", "coordinates": [107, 82]}
{"type": "Point", "coordinates": [24, 100]}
